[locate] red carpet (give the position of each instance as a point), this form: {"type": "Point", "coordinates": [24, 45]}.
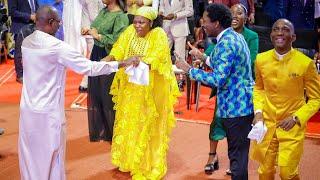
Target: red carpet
{"type": "Point", "coordinates": [10, 92]}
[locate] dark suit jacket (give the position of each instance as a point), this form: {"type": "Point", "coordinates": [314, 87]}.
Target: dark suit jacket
{"type": "Point", "coordinates": [301, 16]}
{"type": "Point", "coordinates": [20, 12]}
{"type": "Point", "coordinates": [228, 3]}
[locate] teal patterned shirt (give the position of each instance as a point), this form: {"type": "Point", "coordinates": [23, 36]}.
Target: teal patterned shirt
{"type": "Point", "coordinates": [232, 75]}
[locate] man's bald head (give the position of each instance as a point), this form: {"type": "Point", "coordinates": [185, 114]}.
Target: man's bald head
{"type": "Point", "coordinates": [45, 13]}
{"type": "Point", "coordinates": [47, 19]}
{"type": "Point", "coordinates": [285, 21]}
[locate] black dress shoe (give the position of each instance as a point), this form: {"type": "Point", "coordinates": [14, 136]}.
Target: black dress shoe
{"type": "Point", "coordinates": [228, 172]}
{"type": "Point", "coordinates": [83, 89]}
{"type": "Point", "coordinates": [181, 85]}
{"type": "Point", "coordinates": [213, 166]}
{"type": "Point", "coordinates": [19, 80]}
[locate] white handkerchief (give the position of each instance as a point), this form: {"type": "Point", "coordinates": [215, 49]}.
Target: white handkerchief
{"type": "Point", "coordinates": [138, 75]}
{"type": "Point", "coordinates": [258, 132]}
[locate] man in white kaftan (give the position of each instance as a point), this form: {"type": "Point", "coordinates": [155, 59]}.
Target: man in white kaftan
{"type": "Point", "coordinates": [42, 118]}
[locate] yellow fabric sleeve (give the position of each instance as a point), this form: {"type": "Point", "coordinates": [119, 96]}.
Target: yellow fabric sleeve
{"type": "Point", "coordinates": [258, 90]}
{"type": "Point", "coordinates": [119, 47]}
{"type": "Point", "coordinates": [158, 56]}
{"type": "Point", "coordinates": [147, 2]}
{"type": "Point", "coordinates": [312, 87]}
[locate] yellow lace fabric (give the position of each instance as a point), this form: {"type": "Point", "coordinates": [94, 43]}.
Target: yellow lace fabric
{"type": "Point", "coordinates": [144, 114]}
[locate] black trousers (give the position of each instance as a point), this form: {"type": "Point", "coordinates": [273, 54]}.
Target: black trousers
{"type": "Point", "coordinates": [237, 130]}
{"type": "Point", "coordinates": [18, 55]}
{"type": "Point", "coordinates": [101, 115]}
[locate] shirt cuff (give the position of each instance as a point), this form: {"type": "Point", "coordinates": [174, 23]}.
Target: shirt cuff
{"type": "Point", "coordinates": [208, 61]}
{"type": "Point", "coordinates": [113, 65]}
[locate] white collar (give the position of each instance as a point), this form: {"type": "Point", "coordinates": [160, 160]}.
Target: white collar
{"type": "Point", "coordinates": [280, 56]}
{"type": "Point", "coordinates": [220, 34]}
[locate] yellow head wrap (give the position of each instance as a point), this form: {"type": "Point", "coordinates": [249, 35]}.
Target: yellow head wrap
{"type": "Point", "coordinates": [147, 12]}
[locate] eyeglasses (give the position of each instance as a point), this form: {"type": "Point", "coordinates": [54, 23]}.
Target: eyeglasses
{"type": "Point", "coordinates": [52, 20]}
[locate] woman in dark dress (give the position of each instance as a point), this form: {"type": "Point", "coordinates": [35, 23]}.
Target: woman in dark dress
{"type": "Point", "coordinates": [105, 30]}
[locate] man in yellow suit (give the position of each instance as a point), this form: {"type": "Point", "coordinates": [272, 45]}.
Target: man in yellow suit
{"type": "Point", "coordinates": [283, 77]}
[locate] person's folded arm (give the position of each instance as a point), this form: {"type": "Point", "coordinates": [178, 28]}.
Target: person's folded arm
{"type": "Point", "coordinates": [187, 11]}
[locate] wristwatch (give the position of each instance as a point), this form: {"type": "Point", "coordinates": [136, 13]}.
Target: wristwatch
{"type": "Point", "coordinates": [174, 16]}
{"type": "Point", "coordinates": [295, 119]}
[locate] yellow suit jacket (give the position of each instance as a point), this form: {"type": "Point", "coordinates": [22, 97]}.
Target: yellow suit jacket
{"type": "Point", "coordinates": [280, 92]}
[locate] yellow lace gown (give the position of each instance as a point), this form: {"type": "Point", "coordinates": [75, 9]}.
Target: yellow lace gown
{"type": "Point", "coordinates": [144, 114]}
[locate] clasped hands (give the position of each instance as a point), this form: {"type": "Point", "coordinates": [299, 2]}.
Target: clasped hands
{"type": "Point", "coordinates": [133, 60]}
{"type": "Point", "coordinates": [137, 2]}
{"type": "Point", "coordinates": [170, 16]}
{"type": "Point", "coordinates": [285, 124]}
{"type": "Point", "coordinates": [90, 31]}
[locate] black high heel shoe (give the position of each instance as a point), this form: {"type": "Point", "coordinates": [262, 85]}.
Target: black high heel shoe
{"type": "Point", "coordinates": [213, 166]}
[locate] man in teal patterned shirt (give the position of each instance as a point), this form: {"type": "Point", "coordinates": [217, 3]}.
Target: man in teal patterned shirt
{"type": "Point", "coordinates": [232, 75]}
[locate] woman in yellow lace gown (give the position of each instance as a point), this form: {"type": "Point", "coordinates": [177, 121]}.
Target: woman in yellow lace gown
{"type": "Point", "coordinates": [144, 113]}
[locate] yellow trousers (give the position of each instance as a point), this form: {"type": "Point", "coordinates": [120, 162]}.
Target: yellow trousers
{"type": "Point", "coordinates": [267, 169]}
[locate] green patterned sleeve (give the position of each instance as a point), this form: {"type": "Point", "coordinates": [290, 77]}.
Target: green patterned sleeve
{"type": "Point", "coordinates": [253, 44]}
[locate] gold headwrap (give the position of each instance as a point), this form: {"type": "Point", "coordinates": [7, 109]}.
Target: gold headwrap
{"type": "Point", "coordinates": [147, 12]}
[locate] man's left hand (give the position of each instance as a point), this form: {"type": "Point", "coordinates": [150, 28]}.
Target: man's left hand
{"type": "Point", "coordinates": [134, 60]}
{"type": "Point", "coordinates": [287, 123]}
{"type": "Point", "coordinates": [169, 17]}
{"type": "Point", "coordinates": [93, 32]}
{"type": "Point", "coordinates": [181, 64]}
{"type": "Point", "coordinates": [251, 18]}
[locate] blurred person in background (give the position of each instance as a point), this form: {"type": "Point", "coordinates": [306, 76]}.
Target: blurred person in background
{"type": "Point", "coordinates": [250, 6]}
{"type": "Point", "coordinates": [270, 11]}
{"type": "Point", "coordinates": [22, 13]}
{"type": "Point", "coordinates": [90, 10]}
{"type": "Point", "coordinates": [58, 4]}
{"type": "Point", "coordinates": [105, 30]}
{"type": "Point", "coordinates": [71, 17]}
{"type": "Point", "coordinates": [133, 5]}
{"type": "Point", "coordinates": [300, 13]}
{"type": "Point", "coordinates": [174, 14]}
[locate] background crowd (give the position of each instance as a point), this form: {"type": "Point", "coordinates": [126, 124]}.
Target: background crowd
{"type": "Point", "coordinates": [76, 14]}
{"type": "Point", "coordinates": [101, 29]}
